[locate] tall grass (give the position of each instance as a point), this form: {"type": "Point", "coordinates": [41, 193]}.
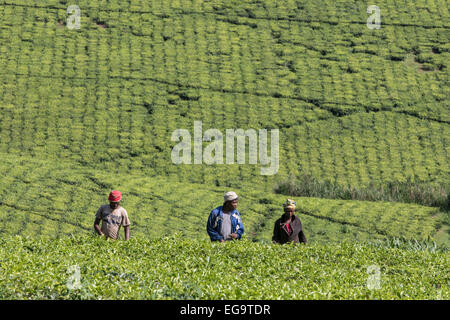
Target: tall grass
{"type": "Point", "coordinates": [410, 191]}
{"type": "Point", "coordinates": [410, 244]}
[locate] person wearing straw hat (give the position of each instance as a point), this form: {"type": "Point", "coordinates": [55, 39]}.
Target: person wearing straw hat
{"type": "Point", "coordinates": [224, 222]}
{"type": "Point", "coordinates": [112, 216]}
{"type": "Point", "coordinates": [288, 228]}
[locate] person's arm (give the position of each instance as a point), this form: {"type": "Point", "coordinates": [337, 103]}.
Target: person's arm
{"type": "Point", "coordinates": [239, 227]}
{"type": "Point", "coordinates": [301, 234]}
{"type": "Point", "coordinates": [98, 218]}
{"type": "Point", "coordinates": [213, 234]}
{"type": "Point", "coordinates": [241, 230]}
{"type": "Point", "coordinates": [97, 226]}
{"type": "Point", "coordinates": [126, 229]}
{"type": "Point", "coordinates": [126, 224]}
{"type": "Point", "coordinates": [275, 237]}
{"type": "Point", "coordinates": [302, 237]}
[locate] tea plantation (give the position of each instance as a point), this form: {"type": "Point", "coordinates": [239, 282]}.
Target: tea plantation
{"type": "Point", "coordinates": [88, 110]}
{"type": "Point", "coordinates": [177, 268]}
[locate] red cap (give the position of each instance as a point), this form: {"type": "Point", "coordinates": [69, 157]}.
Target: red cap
{"type": "Point", "coordinates": [115, 196]}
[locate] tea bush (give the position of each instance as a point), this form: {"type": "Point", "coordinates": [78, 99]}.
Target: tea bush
{"type": "Point", "coordinates": [179, 268]}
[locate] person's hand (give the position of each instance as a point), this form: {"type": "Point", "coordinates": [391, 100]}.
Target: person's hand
{"type": "Point", "coordinates": [233, 236]}
{"type": "Point", "coordinates": [222, 240]}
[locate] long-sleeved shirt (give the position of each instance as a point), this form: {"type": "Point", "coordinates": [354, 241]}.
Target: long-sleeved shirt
{"type": "Point", "coordinates": [281, 234]}
{"type": "Point", "coordinates": [215, 220]}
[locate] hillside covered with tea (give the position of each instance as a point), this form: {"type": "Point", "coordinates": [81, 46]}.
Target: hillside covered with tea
{"type": "Point", "coordinates": [363, 118]}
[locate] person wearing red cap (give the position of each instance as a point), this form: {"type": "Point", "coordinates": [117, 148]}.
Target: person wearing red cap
{"type": "Point", "coordinates": [112, 216]}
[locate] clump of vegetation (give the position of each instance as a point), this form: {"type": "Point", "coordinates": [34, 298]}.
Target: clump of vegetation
{"type": "Point", "coordinates": [409, 191]}
{"type": "Point", "coordinates": [410, 244]}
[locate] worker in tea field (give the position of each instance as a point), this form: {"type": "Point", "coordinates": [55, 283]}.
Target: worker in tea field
{"type": "Point", "coordinates": [224, 222]}
{"type": "Point", "coordinates": [288, 228]}
{"type": "Point", "coordinates": [112, 216]}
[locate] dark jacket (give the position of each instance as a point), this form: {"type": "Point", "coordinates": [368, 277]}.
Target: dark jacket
{"type": "Point", "coordinates": [281, 234]}
{"type": "Point", "coordinates": [214, 224]}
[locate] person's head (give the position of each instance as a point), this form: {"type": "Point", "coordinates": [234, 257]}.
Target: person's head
{"type": "Point", "coordinates": [114, 199]}
{"type": "Point", "coordinates": [114, 204]}
{"type": "Point", "coordinates": [289, 207]}
{"type": "Point", "coordinates": [230, 200]}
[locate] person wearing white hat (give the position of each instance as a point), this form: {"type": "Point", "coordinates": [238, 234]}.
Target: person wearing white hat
{"type": "Point", "coordinates": [224, 222]}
